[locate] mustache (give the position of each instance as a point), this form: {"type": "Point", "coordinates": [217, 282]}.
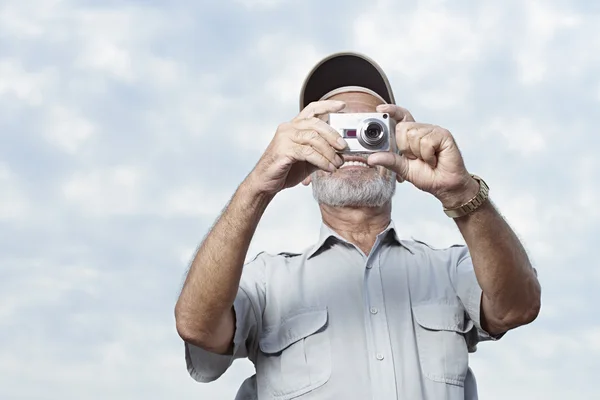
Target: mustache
{"type": "Point", "coordinates": [361, 155]}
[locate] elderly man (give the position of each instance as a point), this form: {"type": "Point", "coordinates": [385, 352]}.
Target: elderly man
{"type": "Point", "coordinates": [362, 314]}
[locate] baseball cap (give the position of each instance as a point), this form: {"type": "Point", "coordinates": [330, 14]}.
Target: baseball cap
{"type": "Point", "coordinates": [343, 72]}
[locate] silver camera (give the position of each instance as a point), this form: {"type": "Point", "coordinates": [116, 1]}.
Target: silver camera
{"type": "Point", "coordinates": [365, 132]}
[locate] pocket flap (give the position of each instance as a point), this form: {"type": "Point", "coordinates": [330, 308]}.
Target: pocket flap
{"type": "Point", "coordinates": [442, 317]}
{"type": "Point", "coordinates": [292, 329]}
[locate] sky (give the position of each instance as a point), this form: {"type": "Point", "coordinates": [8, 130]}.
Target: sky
{"type": "Point", "coordinates": [125, 126]}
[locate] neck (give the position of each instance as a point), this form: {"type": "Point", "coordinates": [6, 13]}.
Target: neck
{"type": "Point", "coordinates": [358, 225]}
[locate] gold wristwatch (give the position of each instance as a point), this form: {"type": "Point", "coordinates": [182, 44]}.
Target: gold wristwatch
{"type": "Point", "coordinates": [472, 204]}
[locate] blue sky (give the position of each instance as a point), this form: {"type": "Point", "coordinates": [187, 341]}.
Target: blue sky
{"type": "Point", "coordinates": [125, 126]}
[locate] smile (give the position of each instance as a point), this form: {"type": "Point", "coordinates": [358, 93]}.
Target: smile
{"type": "Point", "coordinates": [349, 164]}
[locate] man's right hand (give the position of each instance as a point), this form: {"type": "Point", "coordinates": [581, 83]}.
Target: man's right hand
{"type": "Point", "coordinates": [299, 147]}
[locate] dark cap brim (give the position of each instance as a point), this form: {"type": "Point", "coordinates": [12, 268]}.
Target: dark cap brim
{"type": "Point", "coordinates": [344, 69]}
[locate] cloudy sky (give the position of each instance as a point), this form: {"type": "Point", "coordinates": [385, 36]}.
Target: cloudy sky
{"type": "Point", "coordinates": [126, 125]}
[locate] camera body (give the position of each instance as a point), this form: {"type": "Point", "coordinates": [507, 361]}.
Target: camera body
{"type": "Point", "coordinates": [365, 132]}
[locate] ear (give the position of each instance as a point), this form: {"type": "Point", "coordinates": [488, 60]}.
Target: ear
{"type": "Point", "coordinates": [307, 181]}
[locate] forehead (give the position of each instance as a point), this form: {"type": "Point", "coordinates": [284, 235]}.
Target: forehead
{"type": "Point", "coordinates": [358, 102]}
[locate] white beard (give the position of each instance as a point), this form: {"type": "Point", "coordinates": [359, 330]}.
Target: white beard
{"type": "Point", "coordinates": [348, 192]}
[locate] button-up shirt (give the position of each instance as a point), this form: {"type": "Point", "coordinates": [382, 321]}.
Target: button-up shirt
{"type": "Point", "coordinates": [335, 323]}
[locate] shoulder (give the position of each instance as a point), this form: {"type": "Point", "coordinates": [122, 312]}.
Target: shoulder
{"type": "Point", "coordinates": [266, 260]}
{"type": "Point", "coordinates": [287, 254]}
{"type": "Point", "coordinates": [264, 264]}
{"type": "Point", "coordinates": [452, 254]}
{"type": "Point", "coordinates": [425, 246]}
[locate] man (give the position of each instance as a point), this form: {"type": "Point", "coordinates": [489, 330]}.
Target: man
{"type": "Point", "coordinates": [362, 314]}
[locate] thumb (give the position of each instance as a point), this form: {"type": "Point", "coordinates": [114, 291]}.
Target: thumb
{"type": "Point", "coordinates": [307, 180]}
{"type": "Point", "coordinates": [391, 161]}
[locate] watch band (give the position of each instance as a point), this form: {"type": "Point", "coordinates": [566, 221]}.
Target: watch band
{"type": "Point", "coordinates": [472, 204]}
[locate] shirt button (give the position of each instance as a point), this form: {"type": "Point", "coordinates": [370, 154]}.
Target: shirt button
{"type": "Point", "coordinates": [374, 310]}
{"type": "Point", "coordinates": [379, 356]}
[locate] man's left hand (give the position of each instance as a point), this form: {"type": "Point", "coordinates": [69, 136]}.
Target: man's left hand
{"type": "Point", "coordinates": [428, 158]}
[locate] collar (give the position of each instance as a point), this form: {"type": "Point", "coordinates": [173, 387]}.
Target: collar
{"type": "Point", "coordinates": [326, 232]}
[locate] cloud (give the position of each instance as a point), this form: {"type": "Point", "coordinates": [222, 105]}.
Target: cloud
{"type": "Point", "coordinates": [521, 134]}
{"type": "Point", "coordinates": [544, 23]}
{"type": "Point", "coordinates": [107, 191]}
{"type": "Point", "coordinates": [251, 4]}
{"type": "Point", "coordinates": [13, 202]}
{"type": "Point", "coordinates": [66, 129]}
{"type": "Point", "coordinates": [126, 128]}
{"type": "Point", "coordinates": [25, 87]}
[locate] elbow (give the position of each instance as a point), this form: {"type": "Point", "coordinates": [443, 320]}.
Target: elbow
{"type": "Point", "coordinates": [189, 335]}
{"type": "Point", "coordinates": [194, 330]}
{"type": "Point", "coordinates": [189, 329]}
{"type": "Point", "coordinates": [532, 310]}
{"type": "Point", "coordinates": [529, 309]}
{"type": "Point", "coordinates": [515, 318]}
{"type": "Point", "coordinates": [530, 304]}
{"type": "Point", "coordinates": [534, 302]}
{"type": "Point", "coordinates": [528, 314]}
{"type": "Point", "coordinates": [520, 313]}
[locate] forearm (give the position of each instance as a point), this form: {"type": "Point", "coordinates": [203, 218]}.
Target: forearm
{"type": "Point", "coordinates": [511, 292]}
{"type": "Point", "coordinates": [212, 282]}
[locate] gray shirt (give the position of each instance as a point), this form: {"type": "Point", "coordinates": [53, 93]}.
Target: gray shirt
{"type": "Point", "coordinates": [333, 323]}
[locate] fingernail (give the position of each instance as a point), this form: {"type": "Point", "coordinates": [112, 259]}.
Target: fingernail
{"type": "Point", "coordinates": [339, 160]}
{"type": "Point", "coordinates": [331, 167]}
{"type": "Point", "coordinates": [342, 143]}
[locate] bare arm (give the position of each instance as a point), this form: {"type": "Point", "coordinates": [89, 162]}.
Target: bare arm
{"type": "Point", "coordinates": [204, 312]}
{"type": "Point", "coordinates": [511, 291]}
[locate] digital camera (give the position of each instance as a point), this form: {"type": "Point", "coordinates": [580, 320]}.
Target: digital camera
{"type": "Point", "coordinates": [365, 132]}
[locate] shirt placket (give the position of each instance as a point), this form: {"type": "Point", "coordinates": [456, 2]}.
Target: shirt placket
{"type": "Point", "coordinates": [383, 380]}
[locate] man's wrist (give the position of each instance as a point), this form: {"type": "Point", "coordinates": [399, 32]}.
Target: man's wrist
{"type": "Point", "coordinates": [252, 195]}
{"type": "Point", "coordinates": [461, 196]}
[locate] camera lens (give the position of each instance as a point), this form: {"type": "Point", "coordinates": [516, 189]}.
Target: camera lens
{"type": "Point", "coordinates": [373, 131]}
{"type": "Point", "coordinates": [373, 134]}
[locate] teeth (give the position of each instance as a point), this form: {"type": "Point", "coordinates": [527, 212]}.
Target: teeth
{"type": "Point", "coordinates": [354, 164]}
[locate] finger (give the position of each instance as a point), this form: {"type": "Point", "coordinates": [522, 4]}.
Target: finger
{"type": "Point", "coordinates": [324, 129]}
{"type": "Point", "coordinates": [317, 142]}
{"type": "Point", "coordinates": [317, 108]}
{"type": "Point", "coordinates": [414, 136]}
{"type": "Point", "coordinates": [398, 113]}
{"type": "Point", "coordinates": [307, 180]}
{"type": "Point", "coordinates": [403, 141]}
{"type": "Point", "coordinates": [309, 154]}
{"type": "Point", "coordinates": [428, 149]}
{"type": "Point", "coordinates": [392, 161]}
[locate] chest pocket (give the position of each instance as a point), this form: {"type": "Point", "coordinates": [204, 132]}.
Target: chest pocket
{"type": "Point", "coordinates": [442, 345]}
{"type": "Point", "coordinates": [295, 356]}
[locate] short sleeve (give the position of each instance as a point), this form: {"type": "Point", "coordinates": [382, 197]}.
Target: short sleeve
{"type": "Point", "coordinates": [468, 290]}
{"type": "Point", "coordinates": [205, 366]}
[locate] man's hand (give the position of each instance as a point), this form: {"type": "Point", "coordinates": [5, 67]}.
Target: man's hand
{"type": "Point", "coordinates": [428, 158]}
{"type": "Point", "coordinates": [299, 147]}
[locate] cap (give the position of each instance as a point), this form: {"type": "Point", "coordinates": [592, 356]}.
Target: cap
{"type": "Point", "coordinates": [346, 71]}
